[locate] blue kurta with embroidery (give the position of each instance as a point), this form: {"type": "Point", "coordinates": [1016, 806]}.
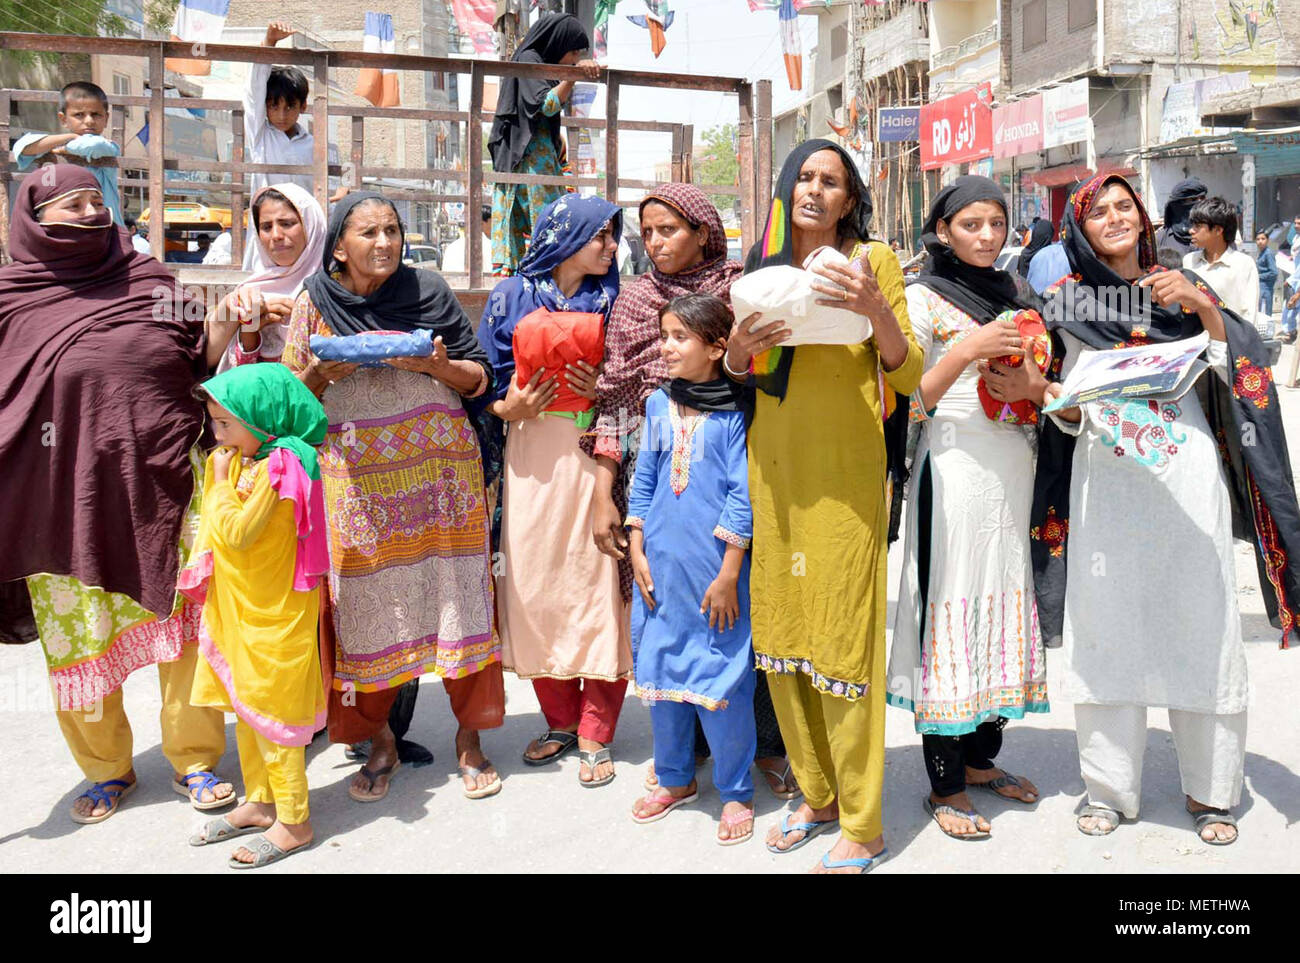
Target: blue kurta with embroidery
{"type": "Point", "coordinates": [691, 497]}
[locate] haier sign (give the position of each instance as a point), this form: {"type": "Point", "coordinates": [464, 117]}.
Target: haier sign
{"type": "Point", "coordinates": [899, 124]}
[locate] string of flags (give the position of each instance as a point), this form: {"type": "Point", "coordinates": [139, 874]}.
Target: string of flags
{"type": "Point", "coordinates": [379, 86]}
{"type": "Point", "coordinates": [657, 19]}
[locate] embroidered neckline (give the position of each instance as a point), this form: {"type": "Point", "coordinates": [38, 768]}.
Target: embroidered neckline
{"type": "Point", "coordinates": [684, 429]}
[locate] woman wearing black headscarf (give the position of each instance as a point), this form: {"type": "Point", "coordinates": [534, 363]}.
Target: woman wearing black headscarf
{"type": "Point", "coordinates": [526, 136]}
{"type": "Point", "coordinates": [967, 654]}
{"type": "Point", "coordinates": [1039, 237]}
{"type": "Point", "coordinates": [410, 587]}
{"type": "Point", "coordinates": [1150, 492]}
{"type": "Point", "coordinates": [1177, 231]}
{"type": "Point", "coordinates": [818, 483]}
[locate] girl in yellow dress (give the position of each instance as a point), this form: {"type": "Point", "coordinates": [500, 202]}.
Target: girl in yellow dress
{"type": "Point", "coordinates": [256, 567]}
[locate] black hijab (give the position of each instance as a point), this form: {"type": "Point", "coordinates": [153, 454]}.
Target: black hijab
{"type": "Point", "coordinates": [1101, 309]}
{"type": "Point", "coordinates": [410, 300]}
{"type": "Point", "coordinates": [983, 293]}
{"type": "Point", "coordinates": [1039, 238]}
{"type": "Point", "coordinates": [519, 106]}
{"type": "Point", "coordinates": [772, 369]}
{"type": "Point", "coordinates": [1177, 208]}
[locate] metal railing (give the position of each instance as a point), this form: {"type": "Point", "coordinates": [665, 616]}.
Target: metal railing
{"type": "Point", "coordinates": [965, 48]}
{"type": "Point", "coordinates": [754, 124]}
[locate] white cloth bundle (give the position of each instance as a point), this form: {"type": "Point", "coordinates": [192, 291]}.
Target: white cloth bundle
{"type": "Point", "coordinates": [785, 293]}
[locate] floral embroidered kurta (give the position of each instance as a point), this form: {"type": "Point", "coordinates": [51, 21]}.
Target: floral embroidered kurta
{"type": "Point", "coordinates": [966, 644]}
{"type": "Point", "coordinates": [691, 498]}
{"type": "Point", "coordinates": [1151, 604]}
{"type": "Point", "coordinates": [94, 639]}
{"type": "Point", "coordinates": [410, 579]}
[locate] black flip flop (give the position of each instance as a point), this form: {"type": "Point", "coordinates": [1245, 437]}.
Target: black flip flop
{"type": "Point", "coordinates": [567, 741]}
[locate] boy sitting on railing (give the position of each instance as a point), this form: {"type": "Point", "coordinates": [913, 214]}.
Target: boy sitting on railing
{"type": "Point", "coordinates": [83, 112]}
{"type": "Point", "coordinates": [273, 102]}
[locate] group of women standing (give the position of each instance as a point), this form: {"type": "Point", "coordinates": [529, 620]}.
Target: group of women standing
{"type": "Point", "coordinates": [522, 441]}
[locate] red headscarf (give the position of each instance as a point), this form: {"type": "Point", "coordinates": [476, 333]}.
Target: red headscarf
{"type": "Point", "coordinates": [99, 352]}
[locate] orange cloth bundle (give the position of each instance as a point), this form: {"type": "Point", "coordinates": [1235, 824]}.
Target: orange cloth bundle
{"type": "Point", "coordinates": [549, 340]}
{"type": "Point", "coordinates": [1030, 325]}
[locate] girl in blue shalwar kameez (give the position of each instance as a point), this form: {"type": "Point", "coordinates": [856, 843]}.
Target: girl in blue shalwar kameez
{"type": "Point", "coordinates": [689, 527]}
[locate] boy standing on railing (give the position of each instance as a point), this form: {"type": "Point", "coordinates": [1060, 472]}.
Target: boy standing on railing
{"type": "Point", "coordinates": [83, 112]}
{"type": "Point", "coordinates": [273, 102]}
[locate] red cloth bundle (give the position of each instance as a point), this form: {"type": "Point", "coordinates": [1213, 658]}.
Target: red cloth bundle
{"type": "Point", "coordinates": [1030, 325]}
{"type": "Point", "coordinates": [549, 340]}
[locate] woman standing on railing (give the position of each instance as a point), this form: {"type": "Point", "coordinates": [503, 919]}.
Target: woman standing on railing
{"type": "Point", "coordinates": [526, 135]}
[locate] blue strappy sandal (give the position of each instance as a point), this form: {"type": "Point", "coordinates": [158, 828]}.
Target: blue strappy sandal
{"type": "Point", "coordinates": [206, 780]}
{"type": "Point", "coordinates": [101, 793]}
{"type": "Point", "coordinates": [808, 829]}
{"type": "Point", "coordinates": [863, 864]}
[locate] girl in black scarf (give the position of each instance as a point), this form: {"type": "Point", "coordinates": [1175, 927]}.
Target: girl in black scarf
{"type": "Point", "coordinates": [1155, 482]}
{"type": "Point", "coordinates": [967, 655]}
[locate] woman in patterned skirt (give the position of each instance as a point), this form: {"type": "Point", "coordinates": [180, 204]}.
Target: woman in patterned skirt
{"type": "Point", "coordinates": [410, 586]}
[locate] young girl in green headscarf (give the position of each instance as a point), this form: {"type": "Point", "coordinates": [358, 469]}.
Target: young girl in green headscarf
{"type": "Point", "coordinates": [256, 567]}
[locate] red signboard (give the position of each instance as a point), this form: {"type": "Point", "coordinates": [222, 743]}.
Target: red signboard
{"type": "Point", "coordinates": [1018, 127]}
{"type": "Point", "coordinates": [957, 129]}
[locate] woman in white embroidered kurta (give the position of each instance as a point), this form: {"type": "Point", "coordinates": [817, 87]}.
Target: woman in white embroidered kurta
{"type": "Point", "coordinates": [967, 654]}
{"type": "Point", "coordinates": [1148, 497]}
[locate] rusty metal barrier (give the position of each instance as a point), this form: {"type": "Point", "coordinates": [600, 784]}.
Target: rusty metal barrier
{"type": "Point", "coordinates": [754, 122]}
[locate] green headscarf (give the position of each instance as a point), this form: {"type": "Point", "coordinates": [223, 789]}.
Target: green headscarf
{"type": "Point", "coordinates": [280, 411]}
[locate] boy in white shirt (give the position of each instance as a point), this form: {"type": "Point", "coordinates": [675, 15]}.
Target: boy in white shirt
{"type": "Point", "coordinates": [1231, 273]}
{"type": "Point", "coordinates": [273, 134]}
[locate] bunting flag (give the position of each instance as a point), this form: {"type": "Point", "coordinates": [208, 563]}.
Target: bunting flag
{"type": "Point", "coordinates": [474, 19]}
{"type": "Point", "coordinates": [659, 19]}
{"type": "Point", "coordinates": [197, 22]}
{"type": "Point", "coordinates": [604, 10]}
{"type": "Point", "coordinates": [791, 45]}
{"type": "Point", "coordinates": [379, 86]}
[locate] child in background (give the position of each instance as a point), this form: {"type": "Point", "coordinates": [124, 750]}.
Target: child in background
{"type": "Point", "coordinates": [83, 112]}
{"type": "Point", "coordinates": [273, 134]}
{"type": "Point", "coordinates": [256, 566]}
{"type": "Point", "coordinates": [689, 527]}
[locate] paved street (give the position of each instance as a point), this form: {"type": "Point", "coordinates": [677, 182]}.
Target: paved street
{"type": "Point", "coordinates": [543, 820]}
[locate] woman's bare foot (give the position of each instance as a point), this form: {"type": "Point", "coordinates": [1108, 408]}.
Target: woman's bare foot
{"type": "Point", "coordinates": [1026, 792]}
{"type": "Point", "coordinates": [383, 753]}
{"type": "Point", "coordinates": [286, 836]}
{"type": "Point", "coordinates": [538, 750]}
{"type": "Point", "coordinates": [780, 780]}
{"type": "Point", "coordinates": [470, 755]}
{"type": "Point", "coordinates": [1222, 832]}
{"type": "Point", "coordinates": [959, 825]}
{"type": "Point", "coordinates": [804, 814]}
{"type": "Point", "coordinates": [846, 848]}
{"type": "Point", "coordinates": [86, 808]}
{"type": "Point", "coordinates": [737, 820]}
{"type": "Point", "coordinates": [603, 770]}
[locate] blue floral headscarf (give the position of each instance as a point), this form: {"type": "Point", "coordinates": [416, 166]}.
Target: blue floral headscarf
{"type": "Point", "coordinates": [563, 228]}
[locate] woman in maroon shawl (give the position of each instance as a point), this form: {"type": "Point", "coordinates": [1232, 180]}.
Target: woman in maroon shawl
{"type": "Point", "coordinates": [99, 352]}
{"type": "Point", "coordinates": [688, 247]}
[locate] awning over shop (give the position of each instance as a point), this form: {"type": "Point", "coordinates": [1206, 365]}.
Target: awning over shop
{"type": "Point", "coordinates": [1068, 174]}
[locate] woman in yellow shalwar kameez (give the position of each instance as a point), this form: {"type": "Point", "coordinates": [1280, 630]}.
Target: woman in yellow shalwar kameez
{"type": "Point", "coordinates": [818, 467]}
{"type": "Point", "coordinates": [257, 563]}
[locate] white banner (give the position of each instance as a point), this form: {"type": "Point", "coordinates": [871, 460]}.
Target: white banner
{"type": "Point", "coordinates": [1065, 114]}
